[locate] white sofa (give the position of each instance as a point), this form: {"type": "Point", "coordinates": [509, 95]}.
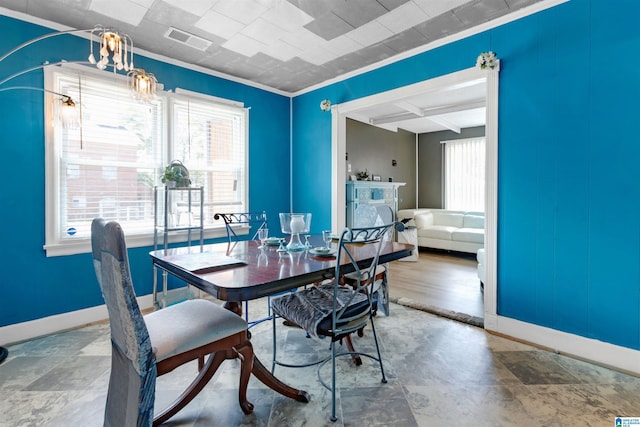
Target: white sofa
{"type": "Point", "coordinates": [446, 229]}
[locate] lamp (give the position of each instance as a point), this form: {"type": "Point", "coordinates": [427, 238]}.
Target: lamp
{"type": "Point", "coordinates": [68, 113]}
{"type": "Point", "coordinates": [115, 50]}
{"type": "Point", "coordinates": [67, 109]}
{"type": "Point", "coordinates": [142, 84]}
{"type": "Point", "coordinates": [114, 46]}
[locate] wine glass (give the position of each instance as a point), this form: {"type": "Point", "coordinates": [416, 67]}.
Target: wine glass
{"type": "Point", "coordinates": [263, 259]}
{"type": "Point", "coordinates": [263, 233]}
{"type": "Point", "coordinates": [326, 236]}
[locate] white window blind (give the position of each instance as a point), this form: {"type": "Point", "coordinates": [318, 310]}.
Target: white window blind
{"type": "Point", "coordinates": [210, 138]}
{"type": "Point", "coordinates": [109, 166]}
{"type": "Point", "coordinates": [464, 174]}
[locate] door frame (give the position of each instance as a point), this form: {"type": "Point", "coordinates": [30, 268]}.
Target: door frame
{"type": "Point", "coordinates": [339, 115]}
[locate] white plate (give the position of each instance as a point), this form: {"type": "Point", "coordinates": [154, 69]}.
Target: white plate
{"type": "Point", "coordinates": [322, 252]}
{"type": "Point", "coordinates": [272, 241]}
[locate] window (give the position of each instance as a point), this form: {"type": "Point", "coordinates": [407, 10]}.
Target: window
{"type": "Point", "coordinates": [464, 174]}
{"type": "Point", "coordinates": [210, 138]}
{"type": "Point", "coordinates": [110, 164]}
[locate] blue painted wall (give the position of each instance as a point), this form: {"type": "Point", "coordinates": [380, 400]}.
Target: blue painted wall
{"type": "Point", "coordinates": [33, 286]}
{"type": "Point", "coordinates": [569, 180]}
{"type": "Point", "coordinates": [569, 193]}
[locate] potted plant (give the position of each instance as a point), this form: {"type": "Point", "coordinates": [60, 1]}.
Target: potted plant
{"type": "Point", "coordinates": [172, 175]}
{"type": "Point", "coordinates": [363, 175]}
{"type": "Point", "coordinates": [176, 175]}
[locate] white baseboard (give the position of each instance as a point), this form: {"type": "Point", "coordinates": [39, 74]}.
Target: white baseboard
{"type": "Point", "coordinates": [60, 322]}
{"type": "Point", "coordinates": [599, 352]}
{"type": "Point", "coordinates": [602, 353]}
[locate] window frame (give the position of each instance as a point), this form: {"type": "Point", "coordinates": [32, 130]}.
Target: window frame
{"type": "Point", "coordinates": [54, 246]}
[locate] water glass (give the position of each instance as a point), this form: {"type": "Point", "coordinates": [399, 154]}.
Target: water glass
{"type": "Point", "coordinates": [326, 236]}
{"type": "Point", "coordinates": [263, 234]}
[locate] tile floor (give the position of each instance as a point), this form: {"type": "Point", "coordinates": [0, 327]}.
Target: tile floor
{"type": "Point", "coordinates": [440, 372]}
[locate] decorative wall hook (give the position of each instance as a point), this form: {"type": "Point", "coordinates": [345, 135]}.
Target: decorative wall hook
{"type": "Point", "coordinates": [487, 60]}
{"type": "Point", "coordinates": [325, 105]}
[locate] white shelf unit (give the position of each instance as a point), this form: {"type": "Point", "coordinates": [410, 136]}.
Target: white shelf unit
{"type": "Point", "coordinates": [176, 210]}
{"type": "Point", "coordinates": [371, 193]}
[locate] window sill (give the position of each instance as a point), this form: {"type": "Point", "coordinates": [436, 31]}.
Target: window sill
{"type": "Point", "coordinates": [82, 246]}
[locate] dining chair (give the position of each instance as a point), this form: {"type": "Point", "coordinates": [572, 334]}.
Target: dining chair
{"type": "Point", "coordinates": [252, 220]}
{"type": "Point", "coordinates": [249, 219]}
{"type": "Point", "coordinates": [369, 216]}
{"type": "Point", "coordinates": [146, 346]}
{"type": "Point", "coordinates": [334, 310]}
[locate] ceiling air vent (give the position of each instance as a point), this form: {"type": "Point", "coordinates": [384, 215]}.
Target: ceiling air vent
{"type": "Point", "coordinates": [187, 38]}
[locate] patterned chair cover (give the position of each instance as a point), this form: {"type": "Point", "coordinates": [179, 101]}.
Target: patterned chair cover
{"type": "Point", "coordinates": [133, 369]}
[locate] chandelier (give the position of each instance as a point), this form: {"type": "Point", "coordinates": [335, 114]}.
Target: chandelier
{"type": "Point", "coordinates": [115, 50]}
{"type": "Point", "coordinates": [142, 84]}
{"type": "Point", "coordinates": [113, 47]}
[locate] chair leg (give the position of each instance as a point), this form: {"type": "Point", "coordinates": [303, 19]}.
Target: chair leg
{"type": "Point", "coordinates": [273, 330]}
{"type": "Point", "coordinates": [356, 359]}
{"type": "Point", "coordinates": [205, 374]}
{"type": "Point", "coordinates": [245, 354]}
{"type": "Point", "coordinates": [333, 418]}
{"type": "Point", "coordinates": [375, 338]}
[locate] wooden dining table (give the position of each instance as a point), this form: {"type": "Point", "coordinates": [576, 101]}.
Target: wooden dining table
{"type": "Point", "coordinates": [241, 271]}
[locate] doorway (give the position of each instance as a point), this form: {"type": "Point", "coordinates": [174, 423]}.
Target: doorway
{"type": "Point", "coordinates": [350, 109]}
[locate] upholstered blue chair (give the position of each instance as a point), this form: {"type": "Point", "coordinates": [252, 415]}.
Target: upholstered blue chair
{"type": "Point", "coordinates": [336, 311]}
{"type": "Point", "coordinates": [144, 347]}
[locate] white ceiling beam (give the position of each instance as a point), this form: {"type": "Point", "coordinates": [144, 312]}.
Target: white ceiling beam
{"type": "Point", "coordinates": [363, 118]}
{"type": "Point", "coordinates": [477, 103]}
{"type": "Point", "coordinates": [445, 123]}
{"type": "Point", "coordinates": [426, 112]}
{"type": "Point", "coordinates": [410, 108]}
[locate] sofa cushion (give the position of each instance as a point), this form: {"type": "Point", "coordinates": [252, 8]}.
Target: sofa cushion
{"type": "Point", "coordinates": [473, 221]}
{"type": "Point", "coordinates": [448, 218]}
{"type": "Point", "coordinates": [472, 235]}
{"type": "Point", "coordinates": [410, 213]}
{"type": "Point", "coordinates": [437, 232]}
{"type": "Point", "coordinates": [423, 220]}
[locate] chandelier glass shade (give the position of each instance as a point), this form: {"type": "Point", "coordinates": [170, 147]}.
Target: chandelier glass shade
{"type": "Point", "coordinates": [114, 48]}
{"type": "Point", "coordinates": [68, 113]}
{"type": "Point", "coordinates": [142, 84]}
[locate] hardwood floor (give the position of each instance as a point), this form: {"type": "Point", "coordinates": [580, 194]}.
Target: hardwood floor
{"type": "Point", "coordinates": [446, 280]}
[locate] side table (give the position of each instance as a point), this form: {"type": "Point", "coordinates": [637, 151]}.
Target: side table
{"type": "Point", "coordinates": [410, 236]}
